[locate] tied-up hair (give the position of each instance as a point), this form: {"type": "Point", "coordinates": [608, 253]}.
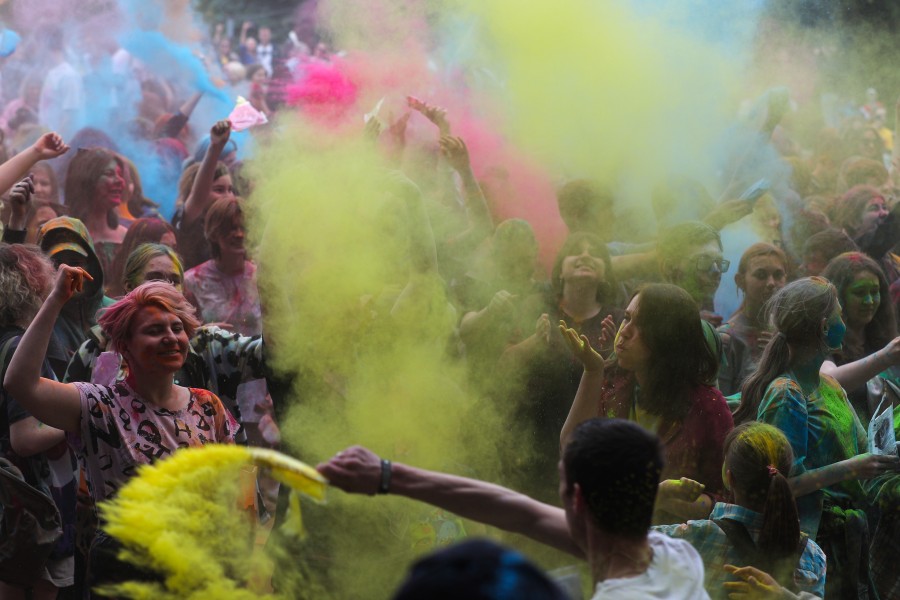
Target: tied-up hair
{"type": "Point", "coordinates": [796, 311]}
{"type": "Point", "coordinates": [116, 321]}
{"type": "Point", "coordinates": [759, 458]}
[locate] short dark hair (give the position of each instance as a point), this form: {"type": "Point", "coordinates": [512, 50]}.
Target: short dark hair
{"type": "Point", "coordinates": [829, 243]}
{"type": "Point", "coordinates": [617, 464]}
{"type": "Point", "coordinates": [674, 241]}
{"type": "Point", "coordinates": [480, 570]}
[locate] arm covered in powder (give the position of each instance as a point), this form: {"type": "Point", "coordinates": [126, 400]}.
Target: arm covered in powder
{"type": "Point", "coordinates": [358, 470]}
{"type": "Point", "coordinates": [586, 403]}
{"type": "Point", "coordinates": [198, 199]}
{"type": "Point", "coordinates": [857, 373]}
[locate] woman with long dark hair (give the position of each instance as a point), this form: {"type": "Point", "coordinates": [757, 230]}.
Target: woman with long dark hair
{"type": "Point", "coordinates": [660, 378]}
{"type": "Point", "coordinates": [94, 189]}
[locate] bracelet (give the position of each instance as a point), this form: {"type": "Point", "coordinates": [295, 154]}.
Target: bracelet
{"type": "Point", "coordinates": [385, 486]}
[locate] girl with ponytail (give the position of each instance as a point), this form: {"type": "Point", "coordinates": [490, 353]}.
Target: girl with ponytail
{"type": "Point", "coordinates": [824, 432]}
{"type": "Point", "coordinates": [761, 529]}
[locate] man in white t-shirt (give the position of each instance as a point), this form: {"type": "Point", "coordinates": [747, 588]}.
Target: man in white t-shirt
{"type": "Point", "coordinates": [609, 475]}
{"type": "Point", "coordinates": [62, 96]}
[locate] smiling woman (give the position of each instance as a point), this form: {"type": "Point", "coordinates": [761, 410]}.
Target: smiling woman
{"type": "Point", "coordinates": [137, 421]}
{"type": "Point", "coordinates": [95, 186]}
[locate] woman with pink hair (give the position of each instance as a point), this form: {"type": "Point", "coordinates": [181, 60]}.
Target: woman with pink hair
{"type": "Point", "coordinates": [137, 421]}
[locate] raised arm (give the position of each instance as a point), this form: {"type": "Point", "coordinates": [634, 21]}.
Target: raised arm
{"type": "Point", "coordinates": [586, 403]}
{"type": "Point", "coordinates": [198, 199]}
{"type": "Point", "coordinates": [56, 404]}
{"type": "Point", "coordinates": [480, 223]}
{"type": "Point", "coordinates": [19, 203]}
{"type": "Point", "coordinates": [857, 373]}
{"type": "Point", "coordinates": [358, 470]}
{"type": "Point", "coordinates": [49, 145]}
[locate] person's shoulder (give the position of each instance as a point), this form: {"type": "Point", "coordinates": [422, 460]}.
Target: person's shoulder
{"type": "Point", "coordinates": [674, 551]}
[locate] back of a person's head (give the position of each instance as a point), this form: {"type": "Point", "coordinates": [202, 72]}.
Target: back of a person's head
{"type": "Point", "coordinates": [26, 275]}
{"type": "Point", "coordinates": [829, 243]}
{"type": "Point", "coordinates": [678, 199]}
{"type": "Point", "coordinates": [581, 200]}
{"type": "Point", "coordinates": [796, 311]}
{"type": "Point", "coordinates": [758, 459]}
{"type": "Point", "coordinates": [678, 240]}
{"type": "Point", "coordinates": [857, 170]}
{"type": "Point", "coordinates": [477, 570]}
{"type": "Point", "coordinates": [617, 465]}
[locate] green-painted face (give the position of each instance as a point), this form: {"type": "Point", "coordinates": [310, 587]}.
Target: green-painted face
{"type": "Point", "coordinates": [862, 299]}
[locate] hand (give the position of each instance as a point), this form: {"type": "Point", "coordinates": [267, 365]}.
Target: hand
{"type": "Point", "coordinates": [607, 334]}
{"type": "Point", "coordinates": [20, 199]}
{"type": "Point", "coordinates": [50, 145]}
{"type": "Point", "coordinates": [501, 305]}
{"type": "Point", "coordinates": [356, 470]}
{"type": "Point", "coordinates": [220, 132]}
{"type": "Point", "coordinates": [247, 25]}
{"type": "Point", "coordinates": [435, 114]}
{"type": "Point", "coordinates": [455, 151]}
{"type": "Point", "coordinates": [757, 585]}
{"type": "Point", "coordinates": [69, 281]}
{"type": "Point", "coordinates": [727, 213]}
{"type": "Point", "coordinates": [397, 130]}
{"type": "Point", "coordinates": [892, 351]}
{"type": "Point", "coordinates": [867, 466]}
{"type": "Point", "coordinates": [683, 489]}
{"type": "Point", "coordinates": [581, 349]}
{"type": "Point", "coordinates": [372, 129]}
{"type": "Point", "coordinates": [542, 328]}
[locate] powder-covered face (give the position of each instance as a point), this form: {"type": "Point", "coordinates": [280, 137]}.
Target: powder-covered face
{"type": "Point", "coordinates": [862, 299]}
{"type": "Point", "coordinates": [835, 330]}
{"type": "Point", "coordinates": [873, 215]}
{"type": "Point", "coordinates": [699, 272]}
{"type": "Point", "coordinates": [583, 266]}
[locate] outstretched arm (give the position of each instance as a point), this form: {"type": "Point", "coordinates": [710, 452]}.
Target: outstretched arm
{"type": "Point", "coordinates": [56, 404]}
{"type": "Point", "coordinates": [358, 470]}
{"type": "Point", "coordinates": [857, 373]}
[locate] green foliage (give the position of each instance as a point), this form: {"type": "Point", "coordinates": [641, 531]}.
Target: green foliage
{"type": "Point", "coordinates": [276, 14]}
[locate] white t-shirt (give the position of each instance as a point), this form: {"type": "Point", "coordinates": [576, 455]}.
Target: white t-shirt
{"type": "Point", "coordinates": [675, 572]}
{"type": "Point", "coordinates": [62, 99]}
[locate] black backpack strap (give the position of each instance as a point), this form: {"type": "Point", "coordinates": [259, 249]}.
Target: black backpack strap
{"type": "Point", "coordinates": [740, 538]}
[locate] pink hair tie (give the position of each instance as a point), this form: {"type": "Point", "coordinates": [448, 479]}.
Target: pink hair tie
{"type": "Point", "coordinates": [773, 471]}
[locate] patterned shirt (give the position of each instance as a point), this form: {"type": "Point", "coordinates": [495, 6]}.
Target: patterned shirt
{"type": "Point", "coordinates": [823, 429]}
{"type": "Point", "coordinates": [715, 549]}
{"type": "Point", "coordinates": [224, 298]}
{"type": "Point", "coordinates": [218, 360]}
{"type": "Point", "coordinates": [119, 432]}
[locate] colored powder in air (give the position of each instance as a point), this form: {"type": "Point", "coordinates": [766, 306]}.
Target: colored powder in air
{"type": "Point", "coordinates": [180, 518]}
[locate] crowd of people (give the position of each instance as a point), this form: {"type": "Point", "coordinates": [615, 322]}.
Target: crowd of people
{"type": "Point", "coordinates": [680, 451]}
